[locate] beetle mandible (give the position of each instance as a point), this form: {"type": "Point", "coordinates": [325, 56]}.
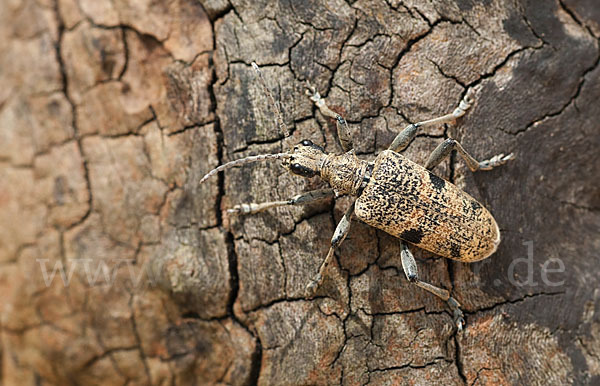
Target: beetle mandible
{"type": "Point", "coordinates": [393, 194]}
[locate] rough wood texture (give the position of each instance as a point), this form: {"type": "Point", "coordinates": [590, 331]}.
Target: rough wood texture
{"type": "Point", "coordinates": [111, 112]}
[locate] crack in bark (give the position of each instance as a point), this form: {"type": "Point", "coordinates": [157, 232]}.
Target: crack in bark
{"type": "Point", "coordinates": [571, 100]}
{"type": "Point", "coordinates": [479, 372]}
{"type": "Point", "coordinates": [435, 361]}
{"type": "Point", "coordinates": [65, 91]}
{"type": "Point", "coordinates": [513, 301]}
{"type": "Point", "coordinates": [288, 300]}
{"type": "Point", "coordinates": [188, 128]}
{"type": "Point", "coordinates": [344, 329]}
{"type": "Point", "coordinates": [232, 258]}
{"type": "Point", "coordinates": [528, 23]}
{"type": "Point", "coordinates": [214, 18]}
{"type": "Point", "coordinates": [576, 19]}
{"type": "Point", "coordinates": [447, 76]}
{"type": "Point", "coordinates": [270, 141]}
{"type": "Point", "coordinates": [457, 358]}
{"type": "Point", "coordinates": [406, 49]}
{"type": "Point", "coordinates": [138, 339]}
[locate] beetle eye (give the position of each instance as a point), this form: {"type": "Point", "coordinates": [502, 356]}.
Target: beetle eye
{"type": "Point", "coordinates": [309, 143]}
{"type": "Point", "coordinates": [302, 170]}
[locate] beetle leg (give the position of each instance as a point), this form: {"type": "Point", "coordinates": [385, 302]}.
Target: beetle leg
{"type": "Point", "coordinates": [299, 199]}
{"type": "Point", "coordinates": [343, 130]}
{"type": "Point", "coordinates": [410, 132]}
{"type": "Point", "coordinates": [410, 270]}
{"type": "Point", "coordinates": [340, 233]}
{"type": "Point", "coordinates": [444, 149]}
{"type": "Point", "coordinates": [403, 139]}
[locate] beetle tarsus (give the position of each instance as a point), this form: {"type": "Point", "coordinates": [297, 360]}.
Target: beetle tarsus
{"type": "Point", "coordinates": [459, 319]}
{"type": "Point", "coordinates": [464, 105]}
{"type": "Point", "coordinates": [496, 160]}
{"type": "Point", "coordinates": [313, 286]}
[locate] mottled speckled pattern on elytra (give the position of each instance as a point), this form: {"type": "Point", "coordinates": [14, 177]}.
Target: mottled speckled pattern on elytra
{"type": "Point", "coordinates": [407, 201]}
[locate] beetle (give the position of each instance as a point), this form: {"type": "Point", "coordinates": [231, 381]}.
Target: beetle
{"type": "Point", "coordinates": [393, 194]}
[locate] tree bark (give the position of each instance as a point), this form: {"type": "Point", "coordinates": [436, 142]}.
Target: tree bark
{"type": "Point", "coordinates": [117, 267]}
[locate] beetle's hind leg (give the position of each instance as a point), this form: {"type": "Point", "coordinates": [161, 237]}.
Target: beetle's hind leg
{"type": "Point", "coordinates": [410, 270]}
{"type": "Point", "coordinates": [410, 132]}
{"type": "Point", "coordinates": [445, 148]}
{"type": "Point", "coordinates": [343, 130]}
{"type": "Point", "coordinates": [300, 199]}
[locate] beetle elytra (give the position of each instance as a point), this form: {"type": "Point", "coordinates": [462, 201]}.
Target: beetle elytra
{"type": "Point", "coordinates": [393, 194]}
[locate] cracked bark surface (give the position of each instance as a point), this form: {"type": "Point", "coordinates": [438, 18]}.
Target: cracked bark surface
{"type": "Point", "coordinates": [111, 112]}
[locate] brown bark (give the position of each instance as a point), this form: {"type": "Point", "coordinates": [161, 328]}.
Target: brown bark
{"type": "Point", "coordinates": [111, 112]}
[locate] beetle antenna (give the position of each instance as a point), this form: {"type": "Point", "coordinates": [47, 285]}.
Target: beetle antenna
{"type": "Point", "coordinates": [280, 123]}
{"type": "Point", "coordinates": [243, 161]}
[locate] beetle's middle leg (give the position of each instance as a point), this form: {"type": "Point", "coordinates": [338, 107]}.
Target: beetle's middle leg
{"type": "Point", "coordinates": [410, 270]}
{"type": "Point", "coordinates": [410, 132]}
{"type": "Point", "coordinates": [340, 233]}
{"type": "Point", "coordinates": [445, 148]}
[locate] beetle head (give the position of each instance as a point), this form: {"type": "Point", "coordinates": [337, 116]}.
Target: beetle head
{"type": "Point", "coordinates": [305, 159]}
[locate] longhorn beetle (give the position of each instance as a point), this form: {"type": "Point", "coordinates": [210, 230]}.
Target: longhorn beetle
{"type": "Point", "coordinates": [392, 193]}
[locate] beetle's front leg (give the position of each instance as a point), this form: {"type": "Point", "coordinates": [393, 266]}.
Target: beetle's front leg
{"type": "Point", "coordinates": [343, 130]}
{"type": "Point", "coordinates": [410, 270]}
{"type": "Point", "coordinates": [444, 149]}
{"type": "Point", "coordinates": [340, 233]}
{"type": "Point", "coordinates": [410, 132]}
{"type": "Point", "coordinates": [299, 199]}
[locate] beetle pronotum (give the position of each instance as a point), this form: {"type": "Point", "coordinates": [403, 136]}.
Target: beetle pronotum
{"type": "Point", "coordinates": [393, 194]}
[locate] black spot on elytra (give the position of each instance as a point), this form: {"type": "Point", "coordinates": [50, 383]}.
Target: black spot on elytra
{"type": "Point", "coordinates": [437, 182]}
{"type": "Point", "coordinates": [412, 235]}
{"type": "Point", "coordinates": [454, 250]}
{"type": "Point", "coordinates": [475, 205]}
